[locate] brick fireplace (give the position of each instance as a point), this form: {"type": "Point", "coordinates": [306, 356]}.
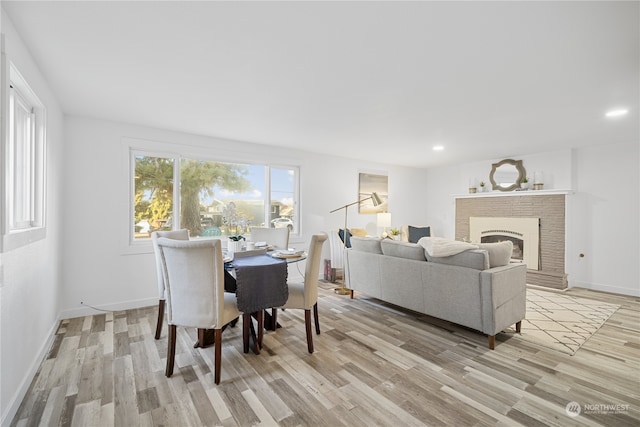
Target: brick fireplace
{"type": "Point", "coordinates": [549, 209]}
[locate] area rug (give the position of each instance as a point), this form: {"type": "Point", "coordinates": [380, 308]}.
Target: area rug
{"type": "Point", "coordinates": [562, 322]}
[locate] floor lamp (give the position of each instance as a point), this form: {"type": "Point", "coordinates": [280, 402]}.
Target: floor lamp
{"type": "Point", "coordinates": [376, 202]}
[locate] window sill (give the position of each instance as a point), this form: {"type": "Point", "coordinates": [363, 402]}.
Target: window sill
{"type": "Point", "coordinates": [18, 239]}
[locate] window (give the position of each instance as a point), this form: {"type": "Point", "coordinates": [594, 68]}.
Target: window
{"type": "Point", "coordinates": [153, 194]}
{"type": "Point", "coordinates": [210, 198]}
{"type": "Point", "coordinates": [24, 149]}
{"type": "Point", "coordinates": [283, 192]}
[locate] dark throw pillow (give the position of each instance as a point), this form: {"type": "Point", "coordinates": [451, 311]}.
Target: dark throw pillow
{"type": "Point", "coordinates": [416, 233]}
{"type": "Point", "coordinates": [348, 241]}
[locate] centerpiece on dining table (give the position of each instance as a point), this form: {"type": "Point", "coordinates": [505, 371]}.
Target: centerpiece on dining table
{"type": "Point", "coordinates": [234, 224]}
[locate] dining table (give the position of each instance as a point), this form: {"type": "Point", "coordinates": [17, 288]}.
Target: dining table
{"type": "Point", "coordinates": [259, 280]}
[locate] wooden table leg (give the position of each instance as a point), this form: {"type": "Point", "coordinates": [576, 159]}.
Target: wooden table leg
{"type": "Point", "coordinates": [246, 322]}
{"type": "Point", "coordinates": [206, 337]}
{"type": "Point", "coordinates": [260, 317]}
{"type": "Point", "coordinates": [270, 320]}
{"type": "Point", "coordinates": [256, 346]}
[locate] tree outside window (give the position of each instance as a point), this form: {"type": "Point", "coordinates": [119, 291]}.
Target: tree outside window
{"type": "Point", "coordinates": [208, 191]}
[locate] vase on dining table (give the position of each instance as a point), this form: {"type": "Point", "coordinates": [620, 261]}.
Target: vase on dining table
{"type": "Point", "coordinates": [234, 245]}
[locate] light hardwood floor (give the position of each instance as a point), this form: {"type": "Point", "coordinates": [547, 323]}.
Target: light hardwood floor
{"type": "Point", "coordinates": [374, 364]}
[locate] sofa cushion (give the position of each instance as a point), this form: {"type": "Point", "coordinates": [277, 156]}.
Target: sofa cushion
{"type": "Point", "coordinates": [417, 233]}
{"type": "Point", "coordinates": [441, 247]}
{"type": "Point", "coordinates": [477, 259]}
{"type": "Point", "coordinates": [402, 249]}
{"type": "Point", "coordinates": [499, 253]}
{"type": "Point", "coordinates": [366, 244]}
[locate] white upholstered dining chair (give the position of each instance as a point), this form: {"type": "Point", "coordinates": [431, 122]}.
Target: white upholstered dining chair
{"type": "Point", "coordinates": [176, 235]}
{"type": "Point", "coordinates": [194, 279]}
{"type": "Point", "coordinates": [276, 237]}
{"type": "Point", "coordinates": [305, 295]}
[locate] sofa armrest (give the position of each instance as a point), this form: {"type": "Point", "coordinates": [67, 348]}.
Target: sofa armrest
{"type": "Point", "coordinates": [503, 297]}
{"type": "Point", "coordinates": [362, 272]}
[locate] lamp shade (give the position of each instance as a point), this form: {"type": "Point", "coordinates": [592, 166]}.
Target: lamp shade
{"type": "Point", "coordinates": [384, 219]}
{"type": "Point", "coordinates": [377, 201]}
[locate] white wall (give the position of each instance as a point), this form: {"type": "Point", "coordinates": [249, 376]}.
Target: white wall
{"type": "Point", "coordinates": [96, 199]}
{"type": "Point", "coordinates": [602, 214]}
{"type": "Point", "coordinates": [604, 217]}
{"type": "Point", "coordinates": [100, 270]}
{"type": "Point", "coordinates": [30, 275]}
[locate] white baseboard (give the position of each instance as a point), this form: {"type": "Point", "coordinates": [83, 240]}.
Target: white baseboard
{"type": "Point", "coordinates": [21, 392]}
{"type": "Point", "coordinates": [605, 288]}
{"type": "Point", "coordinates": [86, 310]}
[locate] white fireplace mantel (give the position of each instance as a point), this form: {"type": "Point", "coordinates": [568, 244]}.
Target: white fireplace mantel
{"type": "Point", "coordinates": [514, 193]}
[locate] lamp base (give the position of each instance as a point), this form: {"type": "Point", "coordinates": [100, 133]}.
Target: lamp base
{"type": "Point", "coordinates": [342, 291]}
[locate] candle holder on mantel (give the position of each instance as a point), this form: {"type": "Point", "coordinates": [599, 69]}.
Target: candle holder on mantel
{"type": "Point", "coordinates": [538, 179]}
{"type": "Point", "coordinates": [472, 186]}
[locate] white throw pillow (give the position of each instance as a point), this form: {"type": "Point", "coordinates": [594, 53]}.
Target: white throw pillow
{"type": "Point", "coordinates": [499, 253]}
{"type": "Point", "coordinates": [441, 247]}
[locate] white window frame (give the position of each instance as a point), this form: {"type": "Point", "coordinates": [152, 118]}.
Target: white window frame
{"type": "Point", "coordinates": [144, 149]}
{"type": "Point", "coordinates": [24, 164]}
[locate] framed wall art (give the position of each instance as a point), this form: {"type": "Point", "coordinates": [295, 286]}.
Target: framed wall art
{"type": "Point", "coordinates": [367, 184]}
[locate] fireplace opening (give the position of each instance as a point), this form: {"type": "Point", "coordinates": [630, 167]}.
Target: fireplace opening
{"type": "Point", "coordinates": [518, 245]}
{"type": "Point", "coordinates": [523, 232]}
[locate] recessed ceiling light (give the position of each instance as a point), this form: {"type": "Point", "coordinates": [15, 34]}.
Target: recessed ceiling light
{"type": "Point", "coordinates": [616, 113]}
{"type": "Point", "coordinates": [438, 148]}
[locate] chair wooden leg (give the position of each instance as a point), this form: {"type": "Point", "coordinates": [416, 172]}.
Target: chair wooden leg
{"type": "Point", "coordinates": [307, 324]}
{"type": "Point", "coordinates": [218, 354]}
{"type": "Point", "coordinates": [315, 318]}
{"type": "Point", "coordinates": [351, 293]}
{"type": "Point", "coordinates": [518, 326]}
{"type": "Point", "coordinates": [246, 327]}
{"type": "Point", "coordinates": [171, 352]}
{"type": "Point", "coordinates": [492, 342]}
{"type": "Point", "coordinates": [160, 318]}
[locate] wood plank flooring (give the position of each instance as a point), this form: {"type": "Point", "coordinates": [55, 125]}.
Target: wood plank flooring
{"type": "Point", "coordinates": [374, 364]}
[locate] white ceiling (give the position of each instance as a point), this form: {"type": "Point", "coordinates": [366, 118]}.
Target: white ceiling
{"type": "Point", "coordinates": [382, 81]}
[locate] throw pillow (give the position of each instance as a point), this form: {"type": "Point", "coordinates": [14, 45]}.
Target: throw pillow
{"type": "Point", "coordinates": [499, 253]}
{"type": "Point", "coordinates": [402, 250]}
{"type": "Point", "coordinates": [441, 247]}
{"type": "Point", "coordinates": [473, 258]}
{"type": "Point", "coordinates": [360, 232]}
{"type": "Point", "coordinates": [417, 233]}
{"type": "Point", "coordinates": [367, 244]}
{"type": "Point", "coordinates": [348, 241]}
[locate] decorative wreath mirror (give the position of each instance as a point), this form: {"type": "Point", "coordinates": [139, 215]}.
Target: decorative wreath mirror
{"type": "Point", "coordinates": [507, 175]}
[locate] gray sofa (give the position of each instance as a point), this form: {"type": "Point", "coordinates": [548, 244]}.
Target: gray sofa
{"type": "Point", "coordinates": [461, 288]}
